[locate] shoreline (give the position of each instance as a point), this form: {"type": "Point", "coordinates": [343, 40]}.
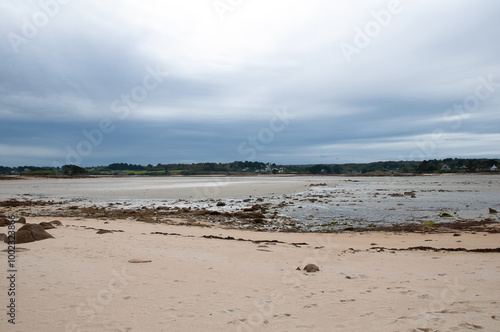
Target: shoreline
{"type": "Point", "coordinates": [111, 176]}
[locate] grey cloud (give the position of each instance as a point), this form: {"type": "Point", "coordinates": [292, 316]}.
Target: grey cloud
{"type": "Point", "coordinates": [226, 78]}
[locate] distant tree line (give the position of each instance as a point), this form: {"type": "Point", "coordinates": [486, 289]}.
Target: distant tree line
{"type": "Point", "coordinates": [254, 167]}
{"type": "Point", "coordinates": [457, 165]}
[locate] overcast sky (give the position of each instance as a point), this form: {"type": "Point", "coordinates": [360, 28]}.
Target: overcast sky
{"type": "Point", "coordinates": [292, 82]}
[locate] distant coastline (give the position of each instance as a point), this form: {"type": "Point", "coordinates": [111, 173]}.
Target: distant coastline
{"type": "Point", "coordinates": [253, 168]}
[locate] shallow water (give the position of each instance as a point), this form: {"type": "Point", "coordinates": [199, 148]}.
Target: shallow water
{"type": "Point", "coordinates": [320, 202]}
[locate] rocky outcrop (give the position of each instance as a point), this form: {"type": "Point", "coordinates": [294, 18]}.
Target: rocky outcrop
{"type": "Point", "coordinates": [30, 233]}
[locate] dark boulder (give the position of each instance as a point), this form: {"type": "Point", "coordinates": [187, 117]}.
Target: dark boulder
{"type": "Point", "coordinates": [56, 223]}
{"type": "Point", "coordinates": [47, 225]}
{"type": "Point", "coordinates": [30, 233]}
{"type": "Point", "coordinates": [37, 231]}
{"type": "Point", "coordinates": [23, 237]}
{"type": "Point", "coordinates": [311, 268]}
{"type": "Point", "coordinates": [21, 220]}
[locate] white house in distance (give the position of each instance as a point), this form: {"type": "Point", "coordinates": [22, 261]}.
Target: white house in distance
{"type": "Point", "coordinates": [494, 168]}
{"type": "Point", "coordinates": [445, 167]}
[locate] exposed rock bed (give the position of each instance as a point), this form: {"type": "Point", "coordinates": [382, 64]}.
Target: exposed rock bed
{"type": "Point", "coordinates": [328, 204]}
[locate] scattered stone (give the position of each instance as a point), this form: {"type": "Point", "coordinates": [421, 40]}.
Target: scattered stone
{"type": "Point", "coordinates": [56, 223]}
{"type": "Point", "coordinates": [445, 215]}
{"type": "Point", "coordinates": [457, 234]}
{"type": "Point", "coordinates": [258, 221]}
{"type": "Point", "coordinates": [21, 220]}
{"type": "Point", "coordinates": [3, 236]}
{"type": "Point", "coordinates": [309, 268]}
{"type": "Point", "coordinates": [220, 204]}
{"type": "Point", "coordinates": [256, 207]}
{"type": "Point", "coordinates": [298, 268]}
{"type": "Point", "coordinates": [492, 211]}
{"type": "Point", "coordinates": [103, 231]}
{"type": "Point", "coordinates": [46, 225]}
{"type": "Point", "coordinates": [409, 193]}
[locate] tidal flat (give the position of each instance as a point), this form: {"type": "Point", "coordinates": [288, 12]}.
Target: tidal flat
{"type": "Point", "coordinates": [269, 203]}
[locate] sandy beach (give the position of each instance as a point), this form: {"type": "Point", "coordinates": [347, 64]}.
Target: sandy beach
{"type": "Point", "coordinates": [192, 280]}
{"type": "Point", "coordinates": [183, 272]}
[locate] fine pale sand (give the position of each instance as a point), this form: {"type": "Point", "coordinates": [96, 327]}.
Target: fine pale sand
{"type": "Point", "coordinates": [138, 281]}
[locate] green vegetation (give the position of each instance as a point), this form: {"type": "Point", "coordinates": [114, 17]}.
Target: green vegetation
{"type": "Point", "coordinates": [73, 170]}
{"type": "Point", "coordinates": [381, 168]}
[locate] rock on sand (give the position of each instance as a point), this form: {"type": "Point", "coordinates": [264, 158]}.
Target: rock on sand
{"type": "Point", "coordinates": [30, 233]}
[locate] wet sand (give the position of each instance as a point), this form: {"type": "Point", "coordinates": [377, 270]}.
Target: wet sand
{"type": "Point", "coordinates": [155, 188]}
{"type": "Point", "coordinates": [309, 203]}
